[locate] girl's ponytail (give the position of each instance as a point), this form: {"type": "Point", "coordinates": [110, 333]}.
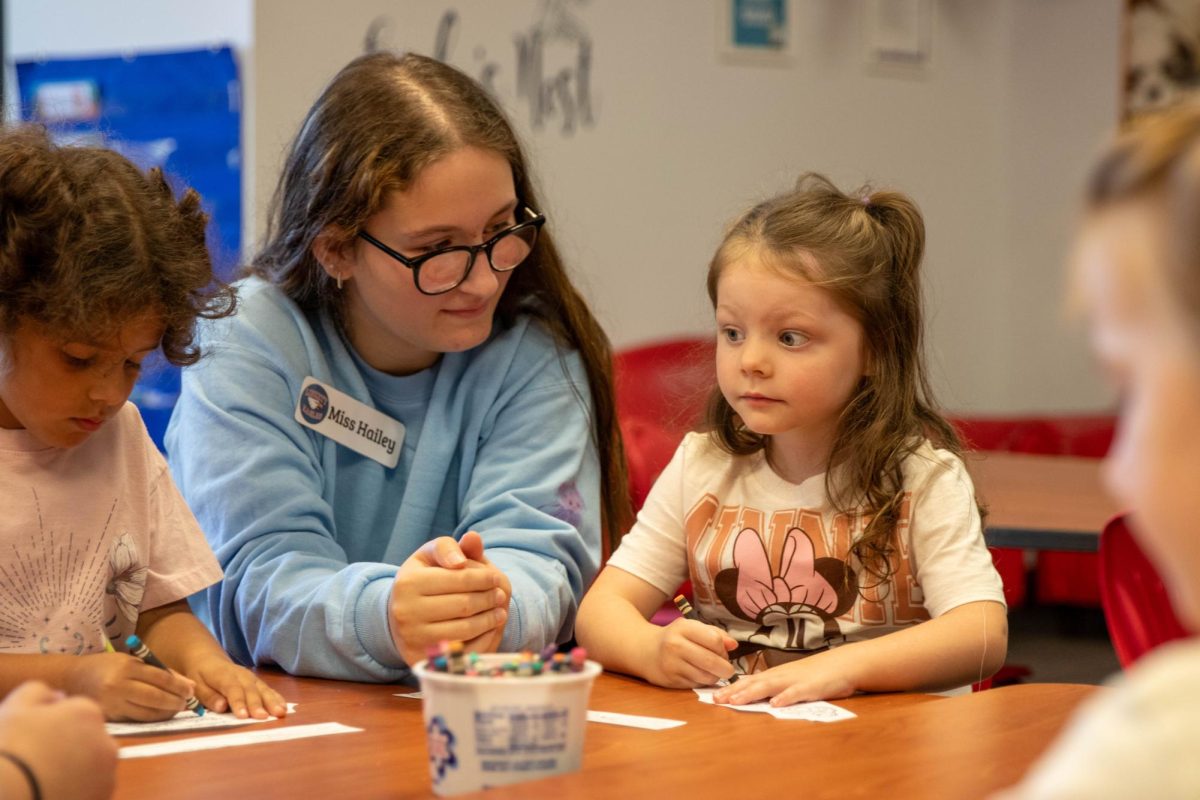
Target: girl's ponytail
{"type": "Point", "coordinates": [904, 228]}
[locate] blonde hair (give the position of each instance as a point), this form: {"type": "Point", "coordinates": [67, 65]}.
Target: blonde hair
{"type": "Point", "coordinates": [1157, 158]}
{"type": "Point", "coordinates": [865, 248]}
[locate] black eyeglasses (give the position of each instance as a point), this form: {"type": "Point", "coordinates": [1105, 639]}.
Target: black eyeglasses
{"type": "Point", "coordinates": [442, 270]}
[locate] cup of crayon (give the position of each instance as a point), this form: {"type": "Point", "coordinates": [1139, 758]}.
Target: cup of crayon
{"type": "Point", "coordinates": [500, 718]}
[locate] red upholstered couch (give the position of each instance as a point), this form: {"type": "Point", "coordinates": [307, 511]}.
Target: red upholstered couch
{"type": "Point", "coordinates": [662, 389]}
{"type": "Point", "coordinates": [661, 392]}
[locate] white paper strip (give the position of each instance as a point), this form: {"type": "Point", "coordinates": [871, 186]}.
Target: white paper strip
{"type": "Point", "coordinates": [235, 739]}
{"type": "Point", "coordinates": [633, 721]}
{"type": "Point", "coordinates": [609, 718]}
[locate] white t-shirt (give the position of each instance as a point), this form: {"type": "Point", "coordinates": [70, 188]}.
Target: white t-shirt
{"type": "Point", "coordinates": [1138, 739]}
{"type": "Point", "coordinates": [768, 559]}
{"type": "Point", "coordinates": [89, 537]}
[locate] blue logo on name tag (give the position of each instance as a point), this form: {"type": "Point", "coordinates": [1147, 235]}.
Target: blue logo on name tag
{"type": "Point", "coordinates": [314, 403]}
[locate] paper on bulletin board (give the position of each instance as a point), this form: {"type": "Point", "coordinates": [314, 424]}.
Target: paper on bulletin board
{"type": "Point", "coordinates": [898, 36]}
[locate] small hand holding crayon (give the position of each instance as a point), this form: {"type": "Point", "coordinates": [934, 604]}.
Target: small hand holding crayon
{"type": "Point", "coordinates": [692, 652]}
{"type": "Point", "coordinates": [128, 689]}
{"type": "Point", "coordinates": [448, 590]}
{"type": "Point", "coordinates": [685, 608]}
{"type": "Point", "coordinates": [138, 649]}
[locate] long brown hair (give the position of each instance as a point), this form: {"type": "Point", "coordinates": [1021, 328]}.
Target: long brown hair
{"type": "Point", "coordinates": [88, 242]}
{"type": "Point", "coordinates": [865, 248]}
{"type": "Point", "coordinates": [382, 120]}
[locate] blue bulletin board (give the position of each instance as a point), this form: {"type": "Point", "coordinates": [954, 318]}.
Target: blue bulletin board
{"type": "Point", "coordinates": [180, 111]}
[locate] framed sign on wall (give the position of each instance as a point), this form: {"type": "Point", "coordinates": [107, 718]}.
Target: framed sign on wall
{"type": "Point", "coordinates": [755, 32]}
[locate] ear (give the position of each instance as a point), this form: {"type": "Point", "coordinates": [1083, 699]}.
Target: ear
{"type": "Point", "coordinates": [331, 252]}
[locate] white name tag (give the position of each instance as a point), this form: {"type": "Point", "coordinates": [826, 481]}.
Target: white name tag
{"type": "Point", "coordinates": [348, 422]}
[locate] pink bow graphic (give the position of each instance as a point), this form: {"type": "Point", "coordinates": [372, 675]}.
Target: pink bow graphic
{"type": "Point", "coordinates": [797, 584]}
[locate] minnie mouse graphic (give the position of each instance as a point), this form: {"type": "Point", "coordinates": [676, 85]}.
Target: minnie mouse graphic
{"type": "Point", "coordinates": [796, 610]}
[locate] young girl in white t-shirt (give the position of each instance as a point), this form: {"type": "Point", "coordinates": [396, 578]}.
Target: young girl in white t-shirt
{"type": "Point", "coordinates": [100, 267]}
{"type": "Point", "coordinates": [825, 520]}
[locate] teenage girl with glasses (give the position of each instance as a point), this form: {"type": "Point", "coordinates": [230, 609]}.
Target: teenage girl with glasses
{"type": "Point", "coordinates": [407, 433]}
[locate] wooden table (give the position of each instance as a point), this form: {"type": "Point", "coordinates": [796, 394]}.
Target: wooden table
{"type": "Point", "coordinates": [900, 746]}
{"type": "Point", "coordinates": [1041, 502]}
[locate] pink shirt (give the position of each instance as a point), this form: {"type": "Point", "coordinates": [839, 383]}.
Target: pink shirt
{"type": "Point", "coordinates": [89, 537]}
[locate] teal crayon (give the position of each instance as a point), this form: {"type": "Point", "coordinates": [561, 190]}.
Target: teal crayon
{"type": "Point", "coordinates": [138, 649]}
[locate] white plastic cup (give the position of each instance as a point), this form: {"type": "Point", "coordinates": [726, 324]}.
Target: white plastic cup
{"type": "Point", "coordinates": [485, 731]}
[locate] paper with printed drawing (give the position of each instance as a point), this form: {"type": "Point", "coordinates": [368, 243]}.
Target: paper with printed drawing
{"type": "Point", "coordinates": [818, 711]}
{"type": "Point", "coordinates": [185, 722]}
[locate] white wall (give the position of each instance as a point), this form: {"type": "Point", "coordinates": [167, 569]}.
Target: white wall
{"type": "Point", "coordinates": [991, 140]}
{"type": "Point", "coordinates": [1063, 101]}
{"type": "Point", "coordinates": [35, 28]}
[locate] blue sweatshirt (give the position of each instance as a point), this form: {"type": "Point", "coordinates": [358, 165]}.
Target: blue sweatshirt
{"type": "Point", "coordinates": [310, 533]}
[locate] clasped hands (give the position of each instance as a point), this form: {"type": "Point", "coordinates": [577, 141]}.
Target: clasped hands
{"type": "Point", "coordinates": [448, 590]}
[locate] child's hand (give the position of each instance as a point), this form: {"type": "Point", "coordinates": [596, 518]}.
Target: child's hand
{"type": "Point", "coordinates": [223, 686]}
{"type": "Point", "coordinates": [127, 689]}
{"type": "Point", "coordinates": [824, 676]}
{"type": "Point", "coordinates": [448, 590]}
{"type": "Point", "coordinates": [62, 740]}
{"type": "Point", "coordinates": [691, 653]}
